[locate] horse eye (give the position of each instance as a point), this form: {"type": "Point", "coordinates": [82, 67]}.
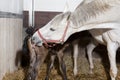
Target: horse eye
{"type": "Point", "coordinates": [52, 29]}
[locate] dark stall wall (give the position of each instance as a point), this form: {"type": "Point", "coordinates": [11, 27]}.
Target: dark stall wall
{"type": "Point", "coordinates": [25, 19]}
{"type": "Point", "coordinates": [40, 18]}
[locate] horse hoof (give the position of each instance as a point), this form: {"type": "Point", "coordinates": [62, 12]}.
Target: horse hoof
{"type": "Point", "coordinates": [75, 72]}
{"type": "Point", "coordinates": [91, 71]}
{"type": "Point", "coordinates": [46, 78]}
{"type": "Point", "coordinates": [65, 79]}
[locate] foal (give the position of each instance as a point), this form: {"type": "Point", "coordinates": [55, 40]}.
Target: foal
{"type": "Point", "coordinates": [38, 55]}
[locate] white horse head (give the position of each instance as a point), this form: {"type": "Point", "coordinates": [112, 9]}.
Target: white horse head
{"type": "Point", "coordinates": [56, 28]}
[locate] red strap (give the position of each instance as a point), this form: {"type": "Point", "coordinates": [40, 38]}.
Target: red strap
{"type": "Point", "coordinates": [46, 41]}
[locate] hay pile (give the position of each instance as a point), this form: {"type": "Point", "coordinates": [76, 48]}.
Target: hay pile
{"type": "Point", "coordinates": [101, 71]}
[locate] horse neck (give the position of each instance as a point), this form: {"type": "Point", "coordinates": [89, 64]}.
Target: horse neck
{"type": "Point", "coordinates": [85, 14]}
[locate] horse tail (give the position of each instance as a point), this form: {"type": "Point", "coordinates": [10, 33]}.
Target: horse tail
{"type": "Point", "coordinates": [25, 60]}
{"type": "Point", "coordinates": [25, 48]}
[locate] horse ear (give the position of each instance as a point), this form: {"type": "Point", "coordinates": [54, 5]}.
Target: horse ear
{"type": "Point", "coordinates": [69, 13]}
{"type": "Point", "coordinates": [66, 15]}
{"type": "Point", "coordinates": [66, 8]}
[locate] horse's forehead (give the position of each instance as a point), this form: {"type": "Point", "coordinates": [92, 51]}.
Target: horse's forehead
{"type": "Point", "coordinates": [35, 35]}
{"type": "Point", "coordinates": [56, 21]}
{"type": "Point", "coordinates": [59, 20]}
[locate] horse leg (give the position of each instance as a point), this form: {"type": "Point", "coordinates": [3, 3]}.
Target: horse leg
{"type": "Point", "coordinates": [34, 61]}
{"type": "Point", "coordinates": [31, 67]}
{"type": "Point", "coordinates": [112, 48]}
{"type": "Point", "coordinates": [75, 56]}
{"type": "Point", "coordinates": [62, 66]}
{"type": "Point", "coordinates": [90, 48]}
{"type": "Point", "coordinates": [35, 68]}
{"type": "Point", "coordinates": [50, 65]}
{"type": "Point", "coordinates": [40, 57]}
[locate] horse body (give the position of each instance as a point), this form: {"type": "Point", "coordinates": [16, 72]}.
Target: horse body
{"type": "Point", "coordinates": [102, 35]}
{"type": "Point", "coordinates": [107, 37]}
{"type": "Point", "coordinates": [111, 39]}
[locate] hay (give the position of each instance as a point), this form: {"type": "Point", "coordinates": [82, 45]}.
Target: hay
{"type": "Point", "coordinates": [101, 71]}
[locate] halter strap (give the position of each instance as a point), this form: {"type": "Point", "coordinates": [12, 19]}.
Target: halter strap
{"type": "Point", "coordinates": [46, 41]}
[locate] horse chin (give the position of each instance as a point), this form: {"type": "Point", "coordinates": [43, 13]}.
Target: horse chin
{"type": "Point", "coordinates": [32, 76]}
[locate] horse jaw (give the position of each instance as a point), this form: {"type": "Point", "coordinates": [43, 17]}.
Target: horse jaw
{"type": "Point", "coordinates": [54, 30]}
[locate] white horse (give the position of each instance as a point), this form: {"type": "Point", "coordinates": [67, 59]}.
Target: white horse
{"type": "Point", "coordinates": [90, 14]}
